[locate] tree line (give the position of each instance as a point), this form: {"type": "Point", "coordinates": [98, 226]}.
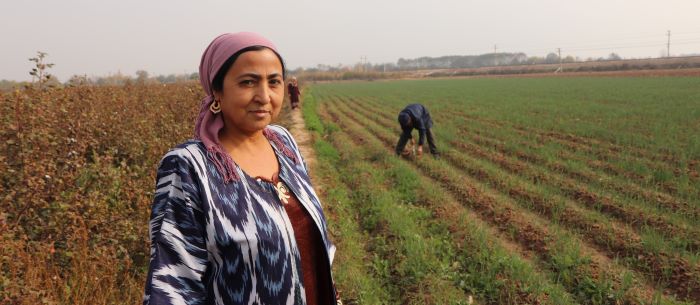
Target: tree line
{"type": "Point", "coordinates": [457, 62]}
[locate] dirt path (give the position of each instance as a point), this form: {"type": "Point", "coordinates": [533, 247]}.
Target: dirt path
{"type": "Point", "coordinates": [304, 139]}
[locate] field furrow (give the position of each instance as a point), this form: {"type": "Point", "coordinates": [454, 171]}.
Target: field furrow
{"type": "Point", "coordinates": [484, 205]}
{"type": "Point", "coordinates": [655, 169]}
{"type": "Point", "coordinates": [608, 204]}
{"type": "Point", "coordinates": [358, 284]}
{"type": "Point", "coordinates": [584, 141]}
{"type": "Point", "coordinates": [617, 241]}
{"type": "Point", "coordinates": [652, 175]}
{"type": "Point", "coordinates": [407, 256]}
{"type": "Point", "coordinates": [507, 276]}
{"type": "Point", "coordinates": [625, 188]}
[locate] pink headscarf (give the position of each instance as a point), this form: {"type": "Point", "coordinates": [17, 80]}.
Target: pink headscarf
{"type": "Point", "coordinates": [208, 124]}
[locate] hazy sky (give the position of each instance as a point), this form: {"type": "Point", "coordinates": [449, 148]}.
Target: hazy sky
{"type": "Point", "coordinates": [163, 37]}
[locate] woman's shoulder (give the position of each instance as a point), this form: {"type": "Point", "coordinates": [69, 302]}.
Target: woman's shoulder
{"type": "Point", "coordinates": [285, 142]}
{"type": "Point", "coordinates": [187, 152]}
{"type": "Point", "coordinates": [284, 135]}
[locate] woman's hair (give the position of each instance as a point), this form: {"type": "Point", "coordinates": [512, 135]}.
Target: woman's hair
{"type": "Point", "coordinates": [218, 82]}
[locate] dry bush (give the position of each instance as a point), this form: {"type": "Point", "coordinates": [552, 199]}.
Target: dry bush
{"type": "Point", "coordinates": [77, 170]}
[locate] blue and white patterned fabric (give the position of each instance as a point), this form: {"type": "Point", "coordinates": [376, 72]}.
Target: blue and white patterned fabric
{"type": "Point", "coordinates": [217, 243]}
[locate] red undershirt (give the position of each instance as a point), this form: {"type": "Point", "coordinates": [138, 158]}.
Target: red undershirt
{"type": "Point", "coordinates": [314, 269]}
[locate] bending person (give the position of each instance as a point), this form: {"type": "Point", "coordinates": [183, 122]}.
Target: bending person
{"type": "Point", "coordinates": [416, 116]}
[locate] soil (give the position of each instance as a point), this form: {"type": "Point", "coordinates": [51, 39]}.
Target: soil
{"type": "Point", "coordinates": [304, 139]}
{"type": "Point", "coordinates": [624, 242]}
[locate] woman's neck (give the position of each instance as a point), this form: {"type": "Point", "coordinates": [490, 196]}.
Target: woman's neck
{"type": "Point", "coordinates": [241, 142]}
{"type": "Point", "coordinates": [252, 153]}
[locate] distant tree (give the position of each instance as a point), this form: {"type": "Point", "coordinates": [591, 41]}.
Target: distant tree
{"type": "Point", "coordinates": [10, 84]}
{"type": "Point", "coordinates": [322, 67]}
{"type": "Point", "coordinates": [402, 63]}
{"type": "Point", "coordinates": [117, 79]}
{"type": "Point", "coordinates": [52, 82]}
{"type": "Point", "coordinates": [141, 76]}
{"type": "Point", "coordinates": [569, 59]}
{"type": "Point", "coordinates": [39, 73]}
{"type": "Point", "coordinates": [535, 60]}
{"type": "Point", "coordinates": [385, 67]}
{"type": "Point", "coordinates": [166, 79]}
{"type": "Point", "coordinates": [516, 59]}
{"type": "Point", "coordinates": [614, 56]}
{"type": "Point", "coordinates": [552, 58]}
{"type": "Point", "coordinates": [78, 80]}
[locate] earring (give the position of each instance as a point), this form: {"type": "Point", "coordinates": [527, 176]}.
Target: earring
{"type": "Point", "coordinates": [215, 107]}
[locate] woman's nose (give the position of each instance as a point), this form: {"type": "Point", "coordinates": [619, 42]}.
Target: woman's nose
{"type": "Point", "coordinates": [263, 93]}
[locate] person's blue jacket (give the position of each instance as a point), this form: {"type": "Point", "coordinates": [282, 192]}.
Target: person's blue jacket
{"type": "Point", "coordinates": [419, 119]}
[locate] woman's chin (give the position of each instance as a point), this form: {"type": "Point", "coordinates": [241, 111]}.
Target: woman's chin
{"type": "Point", "coordinates": [258, 125]}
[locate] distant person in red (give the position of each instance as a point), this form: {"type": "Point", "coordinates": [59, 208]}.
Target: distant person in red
{"type": "Point", "coordinates": [416, 116]}
{"type": "Point", "coordinates": [293, 89]}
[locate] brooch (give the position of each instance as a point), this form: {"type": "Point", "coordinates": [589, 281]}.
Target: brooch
{"type": "Point", "coordinates": [282, 192]}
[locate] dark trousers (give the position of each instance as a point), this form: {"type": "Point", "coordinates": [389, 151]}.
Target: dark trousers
{"type": "Point", "coordinates": [405, 136]}
{"type": "Point", "coordinates": [431, 142]}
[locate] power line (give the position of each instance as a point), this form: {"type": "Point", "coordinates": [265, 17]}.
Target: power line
{"type": "Point", "coordinates": [686, 33]}
{"type": "Point", "coordinates": [621, 43]}
{"type": "Point", "coordinates": [687, 42]}
{"type": "Point", "coordinates": [689, 37]}
{"type": "Point", "coordinates": [616, 46]}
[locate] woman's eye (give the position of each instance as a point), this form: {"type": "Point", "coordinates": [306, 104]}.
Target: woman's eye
{"type": "Point", "coordinates": [248, 82]}
{"type": "Point", "coordinates": [275, 82]}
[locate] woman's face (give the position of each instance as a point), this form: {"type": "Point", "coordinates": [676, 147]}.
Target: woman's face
{"type": "Point", "coordinates": [252, 93]}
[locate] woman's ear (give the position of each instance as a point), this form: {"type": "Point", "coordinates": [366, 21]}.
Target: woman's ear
{"type": "Point", "coordinates": [217, 95]}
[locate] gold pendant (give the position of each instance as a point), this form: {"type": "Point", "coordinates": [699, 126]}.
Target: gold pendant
{"type": "Point", "coordinates": [282, 192]}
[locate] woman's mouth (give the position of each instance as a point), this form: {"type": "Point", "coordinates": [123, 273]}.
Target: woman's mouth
{"type": "Point", "coordinates": [260, 113]}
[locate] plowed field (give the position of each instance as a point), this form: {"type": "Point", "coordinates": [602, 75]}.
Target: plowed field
{"type": "Point", "coordinates": [548, 190]}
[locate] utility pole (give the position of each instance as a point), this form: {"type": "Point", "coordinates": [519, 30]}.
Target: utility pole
{"type": "Point", "coordinates": [561, 69]}
{"type": "Point", "coordinates": [668, 44]}
{"type": "Point", "coordinates": [495, 55]}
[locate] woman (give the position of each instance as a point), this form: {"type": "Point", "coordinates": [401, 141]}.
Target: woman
{"type": "Point", "coordinates": [235, 219]}
{"type": "Point", "coordinates": [293, 89]}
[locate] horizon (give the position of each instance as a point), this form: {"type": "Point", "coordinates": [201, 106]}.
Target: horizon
{"type": "Point", "coordinates": [162, 38]}
{"type": "Point", "coordinates": [322, 68]}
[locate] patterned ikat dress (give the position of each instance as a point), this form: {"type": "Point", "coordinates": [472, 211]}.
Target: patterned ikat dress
{"type": "Point", "coordinates": [218, 243]}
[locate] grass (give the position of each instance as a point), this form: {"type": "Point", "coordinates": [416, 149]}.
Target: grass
{"type": "Point", "coordinates": [403, 254]}
{"type": "Point", "coordinates": [79, 162]}
{"type": "Point", "coordinates": [534, 142]}
{"type": "Point", "coordinates": [491, 260]}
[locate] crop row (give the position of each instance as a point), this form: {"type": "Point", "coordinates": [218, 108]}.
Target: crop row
{"type": "Point", "coordinates": [507, 219]}
{"type": "Point", "coordinates": [617, 241]}
{"type": "Point", "coordinates": [686, 236]}
{"type": "Point", "coordinates": [672, 177]}
{"type": "Point", "coordinates": [537, 149]}
{"type": "Point", "coordinates": [484, 267]}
